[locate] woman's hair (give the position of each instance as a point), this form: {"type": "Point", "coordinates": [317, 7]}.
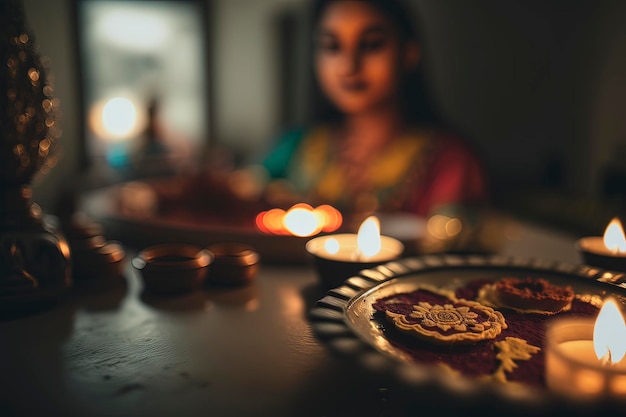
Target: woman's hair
{"type": "Point", "coordinates": [416, 102]}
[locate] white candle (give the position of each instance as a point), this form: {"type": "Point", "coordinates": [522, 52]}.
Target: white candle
{"type": "Point", "coordinates": [365, 246]}
{"type": "Point", "coordinates": [343, 247]}
{"type": "Point", "coordinates": [577, 360]}
{"type": "Point", "coordinates": [612, 243]}
{"type": "Point", "coordinates": [339, 256]}
{"type": "Point", "coordinates": [608, 251]}
{"type": "Point", "coordinates": [595, 244]}
{"type": "Point", "coordinates": [591, 377]}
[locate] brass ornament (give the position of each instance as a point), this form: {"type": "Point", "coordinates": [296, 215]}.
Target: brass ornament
{"type": "Point", "coordinates": [34, 256]}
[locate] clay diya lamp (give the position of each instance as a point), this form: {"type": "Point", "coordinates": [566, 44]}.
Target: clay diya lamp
{"type": "Point", "coordinates": [234, 264]}
{"type": "Point", "coordinates": [173, 268]}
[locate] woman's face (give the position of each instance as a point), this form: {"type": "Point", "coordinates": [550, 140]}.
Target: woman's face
{"type": "Point", "coordinates": [359, 57]}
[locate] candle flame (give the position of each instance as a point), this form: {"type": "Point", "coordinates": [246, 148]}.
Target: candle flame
{"type": "Point", "coordinates": [368, 237]}
{"type": "Point", "coordinates": [609, 333]}
{"type": "Point", "coordinates": [614, 238]}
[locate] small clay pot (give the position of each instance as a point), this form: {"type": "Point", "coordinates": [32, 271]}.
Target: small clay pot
{"type": "Point", "coordinates": [173, 268]}
{"type": "Point", "coordinates": [100, 261]}
{"type": "Point", "coordinates": [234, 264]}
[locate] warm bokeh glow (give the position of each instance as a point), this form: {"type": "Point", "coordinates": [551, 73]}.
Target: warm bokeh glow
{"type": "Point", "coordinates": [259, 222]}
{"type": "Point", "coordinates": [331, 217]}
{"type": "Point", "coordinates": [614, 238]}
{"type": "Point", "coordinates": [300, 220]}
{"type": "Point", "coordinates": [609, 333]}
{"type": "Point", "coordinates": [116, 119]}
{"type": "Point", "coordinates": [368, 237]}
{"type": "Point", "coordinates": [443, 227]}
{"type": "Point", "coordinates": [119, 116]}
{"type": "Point", "coordinates": [273, 220]}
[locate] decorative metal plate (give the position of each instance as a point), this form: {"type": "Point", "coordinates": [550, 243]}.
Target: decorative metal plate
{"type": "Point", "coordinates": [343, 317]}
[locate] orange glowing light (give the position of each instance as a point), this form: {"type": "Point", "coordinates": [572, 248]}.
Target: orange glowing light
{"type": "Point", "coordinates": [273, 220]}
{"type": "Point", "coordinates": [259, 222]}
{"type": "Point", "coordinates": [300, 220]}
{"type": "Point", "coordinates": [609, 333]}
{"type": "Point", "coordinates": [331, 217]}
{"type": "Point", "coordinates": [614, 238]}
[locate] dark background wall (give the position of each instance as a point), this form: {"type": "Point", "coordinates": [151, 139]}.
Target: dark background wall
{"type": "Point", "coordinates": [538, 86]}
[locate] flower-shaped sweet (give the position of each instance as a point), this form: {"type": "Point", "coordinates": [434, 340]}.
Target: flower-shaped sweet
{"type": "Point", "coordinates": [527, 295]}
{"type": "Point", "coordinates": [462, 322]}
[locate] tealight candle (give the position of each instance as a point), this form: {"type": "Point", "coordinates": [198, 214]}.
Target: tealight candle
{"type": "Point", "coordinates": [608, 251]}
{"type": "Point", "coordinates": [342, 255]}
{"type": "Point", "coordinates": [584, 359]}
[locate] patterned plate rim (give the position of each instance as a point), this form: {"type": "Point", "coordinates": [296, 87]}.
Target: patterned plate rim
{"type": "Point", "coordinates": [328, 320]}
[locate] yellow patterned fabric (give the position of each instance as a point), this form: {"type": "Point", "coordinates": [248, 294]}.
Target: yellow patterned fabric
{"type": "Point", "coordinates": [316, 172]}
{"type": "Point", "coordinates": [418, 172]}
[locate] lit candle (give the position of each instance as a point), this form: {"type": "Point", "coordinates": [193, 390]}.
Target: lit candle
{"type": "Point", "coordinates": [585, 359]}
{"type": "Point", "coordinates": [608, 251]}
{"type": "Point", "coordinates": [364, 247]}
{"type": "Point", "coordinates": [342, 255]}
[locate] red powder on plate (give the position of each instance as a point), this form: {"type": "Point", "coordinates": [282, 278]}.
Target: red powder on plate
{"type": "Point", "coordinates": [478, 359]}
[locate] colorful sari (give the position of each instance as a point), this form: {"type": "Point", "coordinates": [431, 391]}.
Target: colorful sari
{"type": "Point", "coordinates": [420, 172]}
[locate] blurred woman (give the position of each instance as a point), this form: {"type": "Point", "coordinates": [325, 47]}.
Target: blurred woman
{"type": "Point", "coordinates": [375, 144]}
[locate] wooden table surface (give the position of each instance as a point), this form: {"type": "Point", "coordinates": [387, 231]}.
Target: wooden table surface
{"type": "Point", "coordinates": [247, 351]}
